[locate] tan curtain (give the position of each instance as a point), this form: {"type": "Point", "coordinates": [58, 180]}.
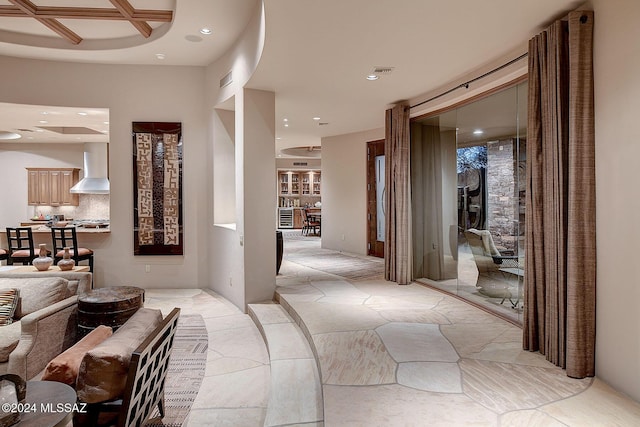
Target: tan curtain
{"type": "Point", "coordinates": [560, 273]}
{"type": "Point", "coordinates": [397, 198]}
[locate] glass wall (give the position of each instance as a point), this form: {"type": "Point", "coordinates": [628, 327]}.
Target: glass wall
{"type": "Point", "coordinates": [468, 200]}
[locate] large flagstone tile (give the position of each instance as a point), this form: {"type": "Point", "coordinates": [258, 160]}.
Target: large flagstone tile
{"type": "Point", "coordinates": [286, 341]}
{"type": "Point", "coordinates": [338, 288]}
{"type": "Point", "coordinates": [226, 365]}
{"type": "Point", "coordinates": [599, 405]}
{"type": "Point", "coordinates": [506, 387]}
{"type": "Point", "coordinates": [231, 417]}
{"type": "Point", "coordinates": [416, 342]}
{"type": "Point", "coordinates": [241, 342]}
{"type": "Point", "coordinates": [241, 389]}
{"type": "Point", "coordinates": [296, 393]}
{"type": "Point", "coordinates": [323, 318]}
{"type": "Point", "coordinates": [461, 312]}
{"type": "Point", "coordinates": [529, 418]}
{"type": "Point", "coordinates": [394, 405]}
{"type": "Point", "coordinates": [354, 358]}
{"type": "Point", "coordinates": [440, 377]}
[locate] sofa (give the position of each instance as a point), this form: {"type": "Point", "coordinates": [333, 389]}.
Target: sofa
{"type": "Point", "coordinates": [44, 322]}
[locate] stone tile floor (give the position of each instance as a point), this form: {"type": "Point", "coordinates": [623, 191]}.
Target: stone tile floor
{"type": "Point", "coordinates": [390, 355]}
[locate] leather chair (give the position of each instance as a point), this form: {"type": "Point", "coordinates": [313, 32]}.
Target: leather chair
{"type": "Point", "coordinates": [21, 249]}
{"type": "Point", "coordinates": [66, 237]}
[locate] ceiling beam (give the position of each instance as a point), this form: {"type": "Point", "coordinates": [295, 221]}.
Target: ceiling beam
{"type": "Point", "coordinates": [87, 13]}
{"type": "Point", "coordinates": [125, 8]}
{"type": "Point", "coordinates": [29, 8]}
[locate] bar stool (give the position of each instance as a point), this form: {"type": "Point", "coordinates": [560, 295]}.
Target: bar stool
{"type": "Point", "coordinates": [66, 237]}
{"type": "Point", "coordinates": [21, 250]}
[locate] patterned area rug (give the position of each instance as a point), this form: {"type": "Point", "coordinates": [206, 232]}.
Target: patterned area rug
{"type": "Point", "coordinates": [186, 370]}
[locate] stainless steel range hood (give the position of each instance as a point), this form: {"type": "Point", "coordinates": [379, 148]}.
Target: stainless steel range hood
{"type": "Point", "coordinates": [95, 170]}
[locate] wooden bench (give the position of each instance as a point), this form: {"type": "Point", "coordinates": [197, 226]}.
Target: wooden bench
{"type": "Point", "coordinates": [145, 381]}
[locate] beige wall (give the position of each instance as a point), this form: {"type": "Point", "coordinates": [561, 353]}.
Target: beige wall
{"type": "Point", "coordinates": [233, 269]}
{"type": "Point", "coordinates": [344, 190]}
{"type": "Point", "coordinates": [132, 93]}
{"type": "Point", "coordinates": [617, 107]}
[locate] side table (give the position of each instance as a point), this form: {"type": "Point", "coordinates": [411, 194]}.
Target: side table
{"type": "Point", "coordinates": [50, 403]}
{"type": "Point", "coordinates": [107, 306]}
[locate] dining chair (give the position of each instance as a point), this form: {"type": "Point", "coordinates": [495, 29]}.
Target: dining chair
{"type": "Point", "coordinates": [309, 223]}
{"type": "Point", "coordinates": [21, 249]}
{"type": "Point", "coordinates": [66, 237]}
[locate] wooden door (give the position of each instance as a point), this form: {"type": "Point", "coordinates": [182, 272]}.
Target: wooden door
{"type": "Point", "coordinates": [375, 198]}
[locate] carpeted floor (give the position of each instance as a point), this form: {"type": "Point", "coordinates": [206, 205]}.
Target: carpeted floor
{"type": "Point", "coordinates": [186, 371]}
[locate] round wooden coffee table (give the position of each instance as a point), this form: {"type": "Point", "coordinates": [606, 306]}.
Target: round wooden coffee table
{"type": "Point", "coordinates": [107, 306]}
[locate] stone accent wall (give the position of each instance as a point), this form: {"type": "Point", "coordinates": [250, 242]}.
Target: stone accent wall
{"type": "Point", "coordinates": [502, 194]}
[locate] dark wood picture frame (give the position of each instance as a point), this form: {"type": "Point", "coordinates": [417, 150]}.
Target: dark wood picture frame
{"type": "Point", "coordinates": [157, 188]}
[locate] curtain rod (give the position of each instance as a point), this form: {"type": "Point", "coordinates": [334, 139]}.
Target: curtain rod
{"type": "Point", "coordinates": [466, 84]}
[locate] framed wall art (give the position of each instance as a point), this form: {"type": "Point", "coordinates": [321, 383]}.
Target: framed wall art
{"type": "Point", "coordinates": [157, 188]}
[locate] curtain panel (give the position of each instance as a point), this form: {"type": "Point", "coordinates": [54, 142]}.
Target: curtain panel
{"type": "Point", "coordinates": [397, 198]}
{"type": "Point", "coordinates": [560, 271]}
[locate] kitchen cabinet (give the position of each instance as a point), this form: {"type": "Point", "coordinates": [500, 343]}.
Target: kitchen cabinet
{"type": "Point", "coordinates": [50, 186]}
{"type": "Point", "coordinates": [305, 183]}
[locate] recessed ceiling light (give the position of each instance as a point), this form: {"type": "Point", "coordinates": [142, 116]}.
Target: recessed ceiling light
{"type": "Point", "coordinates": [160, 55]}
{"type": "Point", "coordinates": [478, 132]}
{"type": "Point", "coordinates": [278, 138]}
{"type": "Point", "coordinates": [106, 123]}
{"type": "Point", "coordinates": [285, 120]}
{"type": "Point", "coordinates": [44, 112]}
{"type": "Point", "coordinates": [39, 130]}
{"type": "Point", "coordinates": [82, 113]}
{"type": "Point", "coordinates": [206, 31]}
{"type": "Point", "coordinates": [372, 77]}
{"type": "Point", "coordinates": [42, 121]}
{"type": "Point", "coordinates": [316, 118]}
{"type": "Point", "coordinates": [286, 125]}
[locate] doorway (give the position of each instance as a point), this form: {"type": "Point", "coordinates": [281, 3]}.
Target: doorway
{"type": "Point", "coordinates": [375, 198]}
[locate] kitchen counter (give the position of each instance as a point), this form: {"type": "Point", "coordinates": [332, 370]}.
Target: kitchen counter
{"type": "Point", "coordinates": [79, 230]}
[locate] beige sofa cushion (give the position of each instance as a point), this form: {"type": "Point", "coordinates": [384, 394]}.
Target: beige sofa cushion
{"type": "Point", "coordinates": [64, 368]}
{"type": "Point", "coordinates": [36, 292]}
{"type": "Point", "coordinates": [9, 338]}
{"type": "Point", "coordinates": [103, 371]}
{"type": "Point", "coordinates": [8, 304]}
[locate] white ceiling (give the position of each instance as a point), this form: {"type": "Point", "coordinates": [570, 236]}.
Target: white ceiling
{"type": "Point", "coordinates": [317, 53]}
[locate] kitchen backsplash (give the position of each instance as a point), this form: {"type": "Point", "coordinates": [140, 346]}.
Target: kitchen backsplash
{"type": "Point", "coordinates": [92, 206]}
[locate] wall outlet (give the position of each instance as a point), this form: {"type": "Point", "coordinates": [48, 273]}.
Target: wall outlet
{"type": "Point", "coordinates": [147, 268]}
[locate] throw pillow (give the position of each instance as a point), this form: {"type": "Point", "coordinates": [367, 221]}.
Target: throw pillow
{"type": "Point", "coordinates": [8, 304]}
{"type": "Point", "coordinates": [64, 368]}
{"type": "Point", "coordinates": [103, 371]}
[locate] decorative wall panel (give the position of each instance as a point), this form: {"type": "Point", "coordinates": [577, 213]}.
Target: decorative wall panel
{"type": "Point", "coordinates": [157, 188]}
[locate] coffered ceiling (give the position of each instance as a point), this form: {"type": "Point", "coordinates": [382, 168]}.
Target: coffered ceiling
{"type": "Point", "coordinates": [50, 14]}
